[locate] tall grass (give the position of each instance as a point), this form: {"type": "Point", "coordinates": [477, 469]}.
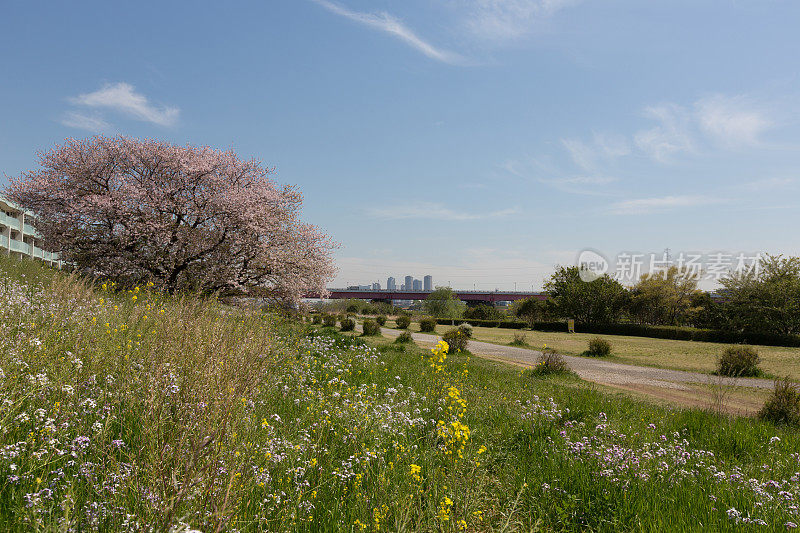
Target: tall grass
{"type": "Point", "coordinates": [137, 411]}
{"type": "Point", "coordinates": [124, 401]}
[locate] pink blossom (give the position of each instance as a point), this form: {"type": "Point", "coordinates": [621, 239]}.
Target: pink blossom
{"type": "Point", "coordinates": [183, 217]}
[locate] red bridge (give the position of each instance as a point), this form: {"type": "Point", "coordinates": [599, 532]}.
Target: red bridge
{"type": "Point", "coordinates": [466, 296]}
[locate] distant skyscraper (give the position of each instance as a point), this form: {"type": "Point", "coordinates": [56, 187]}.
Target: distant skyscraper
{"type": "Point", "coordinates": [376, 286]}
{"type": "Point", "coordinates": [417, 285]}
{"type": "Point", "coordinates": [428, 285]}
{"type": "Point", "coordinates": [409, 283]}
{"type": "Point", "coordinates": [391, 284]}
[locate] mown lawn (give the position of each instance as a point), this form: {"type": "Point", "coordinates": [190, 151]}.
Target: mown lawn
{"type": "Point", "coordinates": [133, 410]}
{"type": "Point", "coordinates": [776, 361]}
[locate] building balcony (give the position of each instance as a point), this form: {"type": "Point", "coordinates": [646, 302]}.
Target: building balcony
{"type": "Point", "coordinates": [11, 222]}
{"type": "Point", "coordinates": [27, 229]}
{"type": "Point", "coordinates": [19, 246]}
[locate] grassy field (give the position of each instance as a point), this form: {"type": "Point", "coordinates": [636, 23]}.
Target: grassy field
{"type": "Point", "coordinates": [132, 410]}
{"type": "Point", "coordinates": [663, 353]}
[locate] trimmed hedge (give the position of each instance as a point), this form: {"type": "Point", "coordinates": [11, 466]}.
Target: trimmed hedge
{"type": "Point", "coordinates": [640, 330]}
{"type": "Point", "coordinates": [690, 334]}
{"type": "Point", "coordinates": [427, 325]}
{"type": "Point", "coordinates": [510, 324]}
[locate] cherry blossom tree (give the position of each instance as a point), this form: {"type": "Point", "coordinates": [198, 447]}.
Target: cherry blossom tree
{"type": "Point", "coordinates": [183, 217]}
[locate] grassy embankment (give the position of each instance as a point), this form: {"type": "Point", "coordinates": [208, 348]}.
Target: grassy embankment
{"type": "Point", "coordinates": [662, 353]}
{"type": "Point", "coordinates": [133, 410]}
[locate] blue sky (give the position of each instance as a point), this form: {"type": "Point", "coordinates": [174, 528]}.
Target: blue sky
{"type": "Point", "coordinates": [480, 141]}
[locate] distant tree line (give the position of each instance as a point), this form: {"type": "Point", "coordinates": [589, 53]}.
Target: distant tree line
{"type": "Point", "coordinates": [766, 300]}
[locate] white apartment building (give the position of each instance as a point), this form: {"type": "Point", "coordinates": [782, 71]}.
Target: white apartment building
{"type": "Point", "coordinates": [18, 235]}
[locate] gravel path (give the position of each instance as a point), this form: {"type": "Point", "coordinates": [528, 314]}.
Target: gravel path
{"type": "Point", "coordinates": [598, 370]}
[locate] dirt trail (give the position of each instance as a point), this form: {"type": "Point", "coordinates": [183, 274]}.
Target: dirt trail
{"type": "Point", "coordinates": [605, 372]}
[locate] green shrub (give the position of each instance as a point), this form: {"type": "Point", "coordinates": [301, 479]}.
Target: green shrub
{"type": "Point", "coordinates": [370, 328]}
{"type": "Point", "coordinates": [427, 324]}
{"type": "Point", "coordinates": [316, 319]}
{"type": "Point", "coordinates": [329, 320]}
{"type": "Point", "coordinates": [458, 338]}
{"type": "Point", "coordinates": [352, 308]}
{"type": "Point", "coordinates": [520, 339]}
{"type": "Point", "coordinates": [404, 338]}
{"type": "Point", "coordinates": [549, 362]}
{"type": "Point", "coordinates": [599, 347]}
{"type": "Point", "coordinates": [738, 361]}
{"type": "Point", "coordinates": [403, 321]}
{"type": "Point", "coordinates": [783, 405]}
{"type": "Point", "coordinates": [381, 319]}
{"type": "Point", "coordinates": [347, 324]}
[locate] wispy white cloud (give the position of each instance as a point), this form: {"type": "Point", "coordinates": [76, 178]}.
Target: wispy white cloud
{"type": "Point", "coordinates": [507, 20]}
{"type": "Point", "coordinates": [534, 169]}
{"type": "Point", "coordinates": [387, 23]}
{"type": "Point", "coordinates": [433, 211]}
{"type": "Point", "coordinates": [671, 136]}
{"type": "Point", "coordinates": [663, 203]}
{"type": "Point", "coordinates": [473, 186]}
{"type": "Point", "coordinates": [603, 147]}
{"type": "Point", "coordinates": [769, 184]}
{"type": "Point", "coordinates": [731, 121]}
{"type": "Point", "coordinates": [124, 98]}
{"type": "Point", "coordinates": [611, 146]}
{"type": "Point", "coordinates": [91, 122]}
{"type": "Point", "coordinates": [590, 185]}
{"type": "Point", "coordinates": [581, 153]}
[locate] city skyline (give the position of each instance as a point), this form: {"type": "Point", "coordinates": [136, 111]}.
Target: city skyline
{"type": "Point", "coordinates": [409, 283]}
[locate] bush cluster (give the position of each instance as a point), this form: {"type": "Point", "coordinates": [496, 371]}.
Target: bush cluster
{"type": "Point", "coordinates": [458, 338]}
{"type": "Point", "coordinates": [329, 320]}
{"type": "Point", "coordinates": [427, 324]}
{"type": "Point", "coordinates": [381, 319]}
{"type": "Point", "coordinates": [483, 312]}
{"type": "Point", "coordinates": [347, 324]}
{"type": "Point", "coordinates": [370, 328]}
{"type": "Point", "coordinates": [359, 307]}
{"type": "Point", "coordinates": [404, 337]}
{"type": "Point", "coordinates": [549, 362]}
{"type": "Point", "coordinates": [599, 347]}
{"type": "Point", "coordinates": [316, 319]}
{"type": "Point", "coordinates": [403, 321]}
{"type": "Point", "coordinates": [783, 405]}
{"type": "Point", "coordinates": [520, 339]}
{"type": "Point", "coordinates": [738, 361]}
